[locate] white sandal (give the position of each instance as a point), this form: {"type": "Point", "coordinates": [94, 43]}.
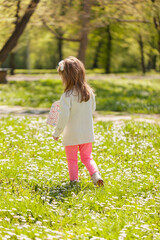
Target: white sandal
{"type": "Point", "coordinates": [97, 180]}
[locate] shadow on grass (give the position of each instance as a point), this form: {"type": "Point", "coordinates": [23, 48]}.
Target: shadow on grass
{"type": "Point", "coordinates": [62, 191]}
{"type": "Point", "coordinates": [67, 190]}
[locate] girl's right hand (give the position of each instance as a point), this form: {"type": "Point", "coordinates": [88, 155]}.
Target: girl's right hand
{"type": "Point", "coordinates": [55, 138]}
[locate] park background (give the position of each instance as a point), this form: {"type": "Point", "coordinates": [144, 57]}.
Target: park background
{"type": "Point", "coordinates": [113, 36]}
{"type": "Point", "coordinates": [119, 43]}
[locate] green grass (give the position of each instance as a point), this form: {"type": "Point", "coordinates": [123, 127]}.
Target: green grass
{"type": "Point", "coordinates": [88, 71]}
{"type": "Point", "coordinates": [35, 71]}
{"type": "Point", "coordinates": [122, 95]}
{"type": "Point", "coordinates": [51, 71]}
{"type": "Point", "coordinates": [37, 201]}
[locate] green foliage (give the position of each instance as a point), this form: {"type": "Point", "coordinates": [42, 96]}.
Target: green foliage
{"type": "Point", "coordinates": [43, 52]}
{"type": "Point", "coordinates": [37, 201]}
{"type": "Point", "coordinates": [126, 19]}
{"type": "Point", "coordinates": [123, 95]}
{"type": "Point", "coordinates": [35, 71]}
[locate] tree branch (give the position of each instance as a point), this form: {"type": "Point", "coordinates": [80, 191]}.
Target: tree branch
{"type": "Point", "coordinates": [17, 12]}
{"type": "Point", "coordinates": [50, 29]}
{"type": "Point", "coordinates": [58, 36]}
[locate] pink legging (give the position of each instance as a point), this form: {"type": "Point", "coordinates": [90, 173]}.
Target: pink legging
{"type": "Point", "coordinates": [86, 158]}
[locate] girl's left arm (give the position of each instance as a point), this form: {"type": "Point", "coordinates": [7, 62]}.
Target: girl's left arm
{"type": "Point", "coordinates": [93, 103]}
{"type": "Point", "coordinates": [63, 116]}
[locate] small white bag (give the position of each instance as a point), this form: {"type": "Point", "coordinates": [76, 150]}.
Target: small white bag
{"type": "Point", "coordinates": [54, 114]}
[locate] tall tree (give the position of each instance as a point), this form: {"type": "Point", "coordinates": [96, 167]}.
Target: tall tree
{"type": "Point", "coordinates": [85, 20]}
{"type": "Point", "coordinates": [19, 28]}
{"type": "Point", "coordinates": [56, 18]}
{"type": "Point", "coordinates": [141, 45]}
{"type": "Point", "coordinates": [96, 56]}
{"type": "Point", "coordinates": [109, 48]}
{"type": "Point", "coordinates": [109, 13]}
{"type": "Point", "coordinates": [12, 54]}
{"type": "Point", "coordinates": [156, 21]}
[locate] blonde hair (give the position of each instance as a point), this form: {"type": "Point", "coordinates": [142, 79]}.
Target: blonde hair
{"type": "Point", "coordinates": [72, 72]}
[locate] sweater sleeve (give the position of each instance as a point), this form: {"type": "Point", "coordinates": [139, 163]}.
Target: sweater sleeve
{"type": "Point", "coordinates": [93, 103]}
{"type": "Point", "coordinates": [63, 116]}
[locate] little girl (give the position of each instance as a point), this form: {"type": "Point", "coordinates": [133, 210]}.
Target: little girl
{"type": "Point", "coordinates": [76, 106]}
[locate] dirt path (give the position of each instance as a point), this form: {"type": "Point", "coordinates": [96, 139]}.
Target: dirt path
{"type": "Point", "coordinates": [150, 118]}
{"type": "Point", "coordinates": [18, 110]}
{"type": "Point", "coordinates": [116, 117]}
{"type": "Point", "coordinates": [23, 77]}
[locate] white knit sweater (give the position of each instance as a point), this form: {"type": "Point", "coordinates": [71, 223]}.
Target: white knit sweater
{"type": "Point", "coordinates": [75, 120]}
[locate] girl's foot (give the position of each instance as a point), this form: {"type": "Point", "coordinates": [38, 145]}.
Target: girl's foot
{"type": "Point", "coordinates": [74, 182]}
{"type": "Point", "coordinates": [97, 180]}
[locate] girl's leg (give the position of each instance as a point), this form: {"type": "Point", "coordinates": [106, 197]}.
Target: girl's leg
{"type": "Point", "coordinates": [72, 158]}
{"type": "Point", "coordinates": [86, 157]}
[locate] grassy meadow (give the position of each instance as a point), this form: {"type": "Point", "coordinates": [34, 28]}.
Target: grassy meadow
{"type": "Point", "coordinates": [115, 95]}
{"type": "Point", "coordinates": [37, 201]}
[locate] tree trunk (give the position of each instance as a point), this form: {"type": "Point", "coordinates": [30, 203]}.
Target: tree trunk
{"type": "Point", "coordinates": [149, 64]}
{"type": "Point", "coordinates": [156, 21]}
{"type": "Point", "coordinates": [12, 62]}
{"type": "Point", "coordinates": [85, 30]}
{"type": "Point", "coordinates": [12, 41]}
{"type": "Point", "coordinates": [159, 40]}
{"type": "Point", "coordinates": [3, 74]}
{"type": "Point", "coordinates": [95, 63]}
{"type": "Point", "coordinates": [109, 48]}
{"type": "Point", "coordinates": [154, 62]}
{"type": "Point", "coordinates": [60, 54]}
{"type": "Point", "coordinates": [28, 63]}
{"type": "Point", "coordinates": [13, 52]}
{"type": "Point", "coordinates": [60, 33]}
{"type": "Point", "coordinates": [141, 45]}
